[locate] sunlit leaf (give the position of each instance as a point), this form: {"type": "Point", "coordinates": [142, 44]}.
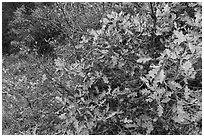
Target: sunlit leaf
{"type": "Point", "coordinates": [63, 116]}
{"type": "Point", "coordinates": [160, 77]}
{"type": "Point", "coordinates": [160, 91]}
{"type": "Point", "coordinates": [145, 91]}
{"type": "Point", "coordinates": [166, 100]}
{"type": "Point", "coordinates": [112, 15]}
{"type": "Point", "coordinates": [166, 8]}
{"type": "Point", "coordinates": [105, 79]}
{"type": "Point", "coordinates": [159, 110]}
{"type": "Point", "coordinates": [197, 116]}
{"type": "Point", "coordinates": [167, 96]}
{"type": "Point", "coordinates": [174, 85]}
{"type": "Point", "coordinates": [114, 61]}
{"type": "Point", "coordinates": [136, 20]}
{"type": "Point", "coordinates": [127, 120]}
{"type": "Point", "coordinates": [152, 73]}
{"type": "Point", "coordinates": [84, 132]}
{"type": "Point", "coordinates": [79, 46]}
{"type": "Point", "coordinates": [59, 64]}
{"type": "Point", "coordinates": [104, 51]}
{"type": "Point", "coordinates": [44, 77]}
{"type": "Point", "coordinates": [192, 47]}
{"type": "Point", "coordinates": [158, 12]}
{"type": "Point", "coordinates": [113, 114]}
{"type": "Point", "coordinates": [187, 65]}
{"type": "Point", "coordinates": [180, 37]}
{"type": "Point", "coordinates": [186, 92]}
{"type": "Point", "coordinates": [131, 125]}
{"type": "Point", "coordinates": [144, 60]}
{"type": "Point", "coordinates": [181, 114]}
{"type": "Point", "coordinates": [94, 33]}
{"type": "Point", "coordinates": [105, 20]}
{"type": "Point", "coordinates": [133, 94]}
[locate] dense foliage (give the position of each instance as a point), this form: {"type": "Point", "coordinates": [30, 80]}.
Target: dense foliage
{"type": "Point", "coordinates": [105, 68]}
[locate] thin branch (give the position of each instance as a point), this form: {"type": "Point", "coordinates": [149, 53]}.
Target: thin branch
{"type": "Point", "coordinates": [63, 12]}
{"type": "Point", "coordinates": [50, 77]}
{"type": "Point", "coordinates": [55, 24]}
{"type": "Point", "coordinates": [153, 15]}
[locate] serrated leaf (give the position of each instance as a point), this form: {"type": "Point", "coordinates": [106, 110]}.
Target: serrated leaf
{"type": "Point", "coordinates": [59, 63]}
{"type": "Point", "coordinates": [181, 114]}
{"type": "Point", "coordinates": [189, 70]}
{"type": "Point", "coordinates": [144, 60]}
{"type": "Point", "coordinates": [180, 37]}
{"type": "Point", "coordinates": [160, 91]}
{"type": "Point", "coordinates": [144, 79]}
{"type": "Point", "coordinates": [160, 110]}
{"type": "Point", "coordinates": [158, 12]}
{"type": "Point", "coordinates": [167, 8]}
{"type": "Point", "coordinates": [174, 85]}
{"type": "Point", "coordinates": [112, 15]}
{"type": "Point", "coordinates": [152, 73]}
{"type": "Point", "coordinates": [166, 100]}
{"type": "Point", "coordinates": [186, 66]}
{"type": "Point", "coordinates": [160, 77]}
{"type": "Point", "coordinates": [145, 91]}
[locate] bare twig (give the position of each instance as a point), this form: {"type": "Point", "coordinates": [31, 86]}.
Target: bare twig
{"type": "Point", "coordinates": [65, 16]}
{"type": "Point", "coordinates": [52, 22]}
{"type": "Point", "coordinates": [153, 15]}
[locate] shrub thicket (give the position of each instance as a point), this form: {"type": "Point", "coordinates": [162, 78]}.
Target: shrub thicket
{"type": "Point", "coordinates": [105, 68]}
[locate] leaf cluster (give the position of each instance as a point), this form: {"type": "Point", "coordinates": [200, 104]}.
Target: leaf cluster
{"type": "Point", "coordinates": [119, 68]}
